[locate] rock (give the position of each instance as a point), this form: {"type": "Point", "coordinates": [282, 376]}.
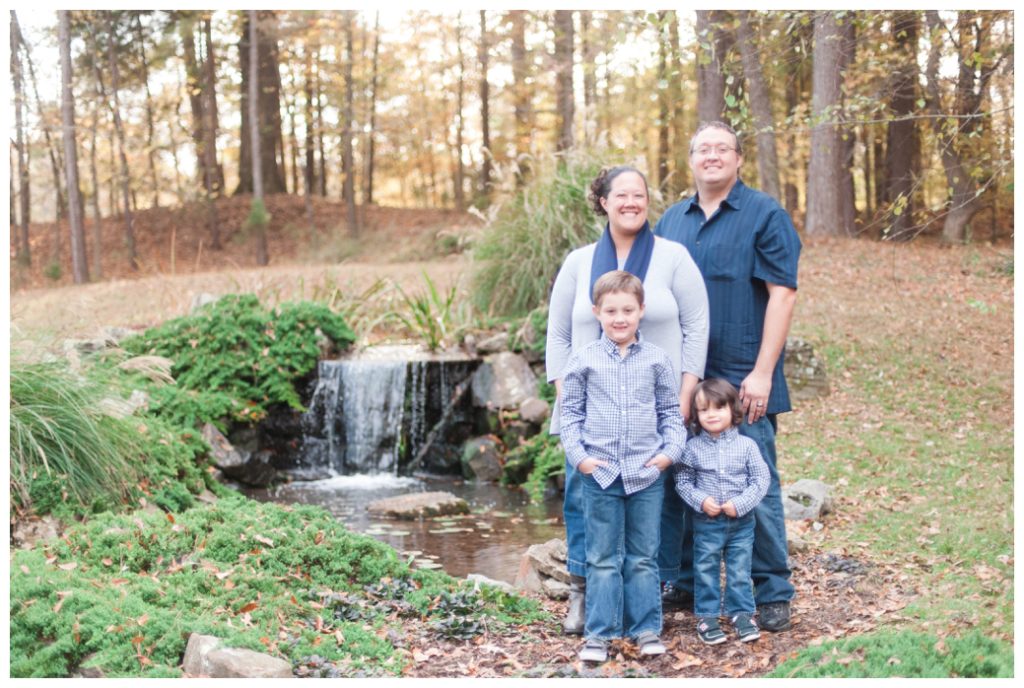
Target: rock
{"type": "Point", "coordinates": [796, 544]}
{"type": "Point", "coordinates": [196, 661]}
{"type": "Point", "coordinates": [534, 410]}
{"type": "Point", "coordinates": [483, 456]}
{"type": "Point", "coordinates": [25, 533]}
{"type": "Point", "coordinates": [479, 579]}
{"type": "Point", "coordinates": [418, 505]}
{"type": "Point", "coordinates": [542, 568]}
{"type": "Point", "coordinates": [207, 497]}
{"type": "Point", "coordinates": [555, 589]}
{"type": "Point", "coordinates": [200, 300]}
{"type": "Point", "coordinates": [503, 381]}
{"type": "Point", "coordinates": [805, 372]}
{"type": "Point", "coordinates": [493, 344]}
{"type": "Point", "coordinates": [251, 468]}
{"type": "Point", "coordinates": [115, 407]}
{"type": "Point", "coordinates": [88, 671]}
{"type": "Point", "coordinates": [242, 663]}
{"type": "Point", "coordinates": [204, 656]}
{"type": "Point", "coordinates": [806, 499]}
{"type": "Point", "coordinates": [156, 368]}
{"type": "Point", "coordinates": [116, 334]}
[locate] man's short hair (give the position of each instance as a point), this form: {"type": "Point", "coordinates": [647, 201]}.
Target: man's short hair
{"type": "Point", "coordinates": [618, 281]}
{"type": "Point", "coordinates": [716, 124]}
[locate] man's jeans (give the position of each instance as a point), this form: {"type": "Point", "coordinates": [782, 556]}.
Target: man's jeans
{"type": "Point", "coordinates": [769, 566]}
{"type": "Point", "coordinates": [572, 512]}
{"type": "Point", "coordinates": [715, 539]}
{"type": "Point", "coordinates": [623, 595]}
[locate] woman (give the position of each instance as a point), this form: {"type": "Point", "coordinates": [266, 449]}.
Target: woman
{"type": "Point", "coordinates": [675, 319]}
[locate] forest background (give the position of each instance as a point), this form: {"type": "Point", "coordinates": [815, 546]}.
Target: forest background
{"type": "Point", "coordinates": [881, 124]}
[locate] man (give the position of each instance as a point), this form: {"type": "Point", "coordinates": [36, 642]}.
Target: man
{"type": "Point", "coordinates": [747, 250]}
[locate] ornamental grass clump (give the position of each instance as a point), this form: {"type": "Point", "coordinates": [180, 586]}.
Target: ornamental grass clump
{"type": "Point", "coordinates": [62, 446]}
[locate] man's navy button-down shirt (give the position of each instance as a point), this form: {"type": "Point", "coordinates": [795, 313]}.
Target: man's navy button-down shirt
{"type": "Point", "coordinates": [748, 241]}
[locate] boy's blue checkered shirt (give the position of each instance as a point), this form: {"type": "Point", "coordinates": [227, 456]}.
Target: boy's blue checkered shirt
{"type": "Point", "coordinates": [727, 467]}
{"type": "Point", "coordinates": [621, 409]}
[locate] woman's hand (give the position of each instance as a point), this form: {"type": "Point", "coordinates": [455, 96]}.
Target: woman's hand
{"type": "Point", "coordinates": [589, 465]}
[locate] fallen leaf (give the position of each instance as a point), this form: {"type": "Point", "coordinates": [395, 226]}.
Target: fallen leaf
{"type": "Point", "coordinates": [247, 608]}
{"type": "Point", "coordinates": [69, 566]}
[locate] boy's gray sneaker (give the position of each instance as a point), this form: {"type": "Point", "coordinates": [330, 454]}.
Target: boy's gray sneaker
{"type": "Point", "coordinates": [746, 629]}
{"type": "Point", "coordinates": [650, 644]}
{"type": "Point", "coordinates": [594, 650]}
{"type": "Point", "coordinates": [774, 616]}
{"type": "Point", "coordinates": [709, 632]}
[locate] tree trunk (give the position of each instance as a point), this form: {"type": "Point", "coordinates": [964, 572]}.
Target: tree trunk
{"type": "Point", "coordinates": [268, 106]}
{"type": "Point", "coordinates": [211, 118]}
{"type": "Point", "coordinates": [563, 78]}
{"type": "Point", "coordinates": [348, 167]}
{"type": "Point", "coordinates": [663, 100]}
{"type": "Point", "coordinates": [824, 200]}
{"type": "Point", "coordinates": [115, 105]}
{"type": "Point", "coordinates": [258, 215]}
{"type": "Point", "coordinates": [761, 108]}
{"type": "Point", "coordinates": [24, 256]}
{"type": "Point", "coordinates": [520, 94]}
{"type": "Point", "coordinates": [320, 128]}
{"type": "Point", "coordinates": [372, 107]}
{"type": "Point", "coordinates": [847, 195]}
{"type": "Point", "coordinates": [79, 264]}
{"type": "Point", "coordinates": [589, 63]}
{"type": "Point", "coordinates": [101, 97]}
{"type": "Point", "coordinates": [56, 163]}
{"type": "Point", "coordinates": [291, 103]}
{"type": "Point", "coordinates": [902, 139]}
{"type": "Point", "coordinates": [680, 141]}
{"type": "Point", "coordinates": [140, 41]}
{"type": "Point", "coordinates": [711, 48]}
{"type": "Point", "coordinates": [460, 167]}
{"type": "Point", "coordinates": [954, 133]}
{"type": "Point", "coordinates": [310, 141]}
{"type": "Point", "coordinates": [485, 114]}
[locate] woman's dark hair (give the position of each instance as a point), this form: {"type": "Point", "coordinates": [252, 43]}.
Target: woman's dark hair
{"type": "Point", "coordinates": [602, 185]}
{"type": "Point", "coordinates": [717, 392]}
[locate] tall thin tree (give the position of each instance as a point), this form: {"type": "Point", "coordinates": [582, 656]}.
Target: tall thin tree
{"type": "Point", "coordinates": [140, 43]}
{"type": "Point", "coordinates": [125, 175]}
{"type": "Point", "coordinates": [485, 108]}
{"type": "Point", "coordinates": [564, 104]}
{"type": "Point", "coordinates": [760, 107]}
{"type": "Point", "coordinates": [258, 216]}
{"type": "Point", "coordinates": [371, 133]}
{"type": "Point", "coordinates": [348, 187]}
{"type": "Point", "coordinates": [79, 264]}
{"type": "Point", "coordinates": [24, 256]}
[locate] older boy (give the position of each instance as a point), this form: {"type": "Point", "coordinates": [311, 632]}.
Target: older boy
{"type": "Point", "coordinates": [621, 429]}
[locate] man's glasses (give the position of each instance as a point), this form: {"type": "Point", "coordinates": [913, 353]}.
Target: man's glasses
{"type": "Point", "coordinates": [705, 151]}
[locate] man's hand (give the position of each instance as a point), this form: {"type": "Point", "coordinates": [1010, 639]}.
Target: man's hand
{"type": "Point", "coordinates": [730, 509]}
{"type": "Point", "coordinates": [661, 462]}
{"type": "Point", "coordinates": [589, 465]}
{"type": "Point", "coordinates": [711, 507]}
{"type": "Point", "coordinates": [754, 392]}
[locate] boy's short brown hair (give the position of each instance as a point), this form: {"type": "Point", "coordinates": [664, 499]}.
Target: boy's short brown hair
{"type": "Point", "coordinates": [618, 281]}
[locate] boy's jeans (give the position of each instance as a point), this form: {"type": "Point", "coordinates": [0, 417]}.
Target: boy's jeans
{"type": "Point", "coordinates": [572, 511]}
{"type": "Point", "coordinates": [715, 539]}
{"type": "Point", "coordinates": [623, 594]}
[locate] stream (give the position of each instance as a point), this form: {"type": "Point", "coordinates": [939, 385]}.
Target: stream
{"type": "Point", "coordinates": [490, 540]}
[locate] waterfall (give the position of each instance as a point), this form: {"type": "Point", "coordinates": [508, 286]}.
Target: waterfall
{"type": "Point", "coordinates": [373, 413]}
{"type": "Point", "coordinates": [373, 406]}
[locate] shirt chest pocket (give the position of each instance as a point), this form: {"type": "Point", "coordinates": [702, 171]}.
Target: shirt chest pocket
{"type": "Point", "coordinates": [724, 261]}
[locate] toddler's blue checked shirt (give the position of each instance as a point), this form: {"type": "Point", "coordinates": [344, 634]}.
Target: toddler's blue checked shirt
{"type": "Point", "coordinates": [623, 410]}
{"type": "Point", "coordinates": [727, 467]}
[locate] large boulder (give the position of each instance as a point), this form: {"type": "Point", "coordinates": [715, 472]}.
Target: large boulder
{"type": "Point", "coordinates": [116, 407]}
{"type": "Point", "coordinates": [204, 656]}
{"type": "Point", "coordinates": [26, 532]}
{"type": "Point", "coordinates": [503, 381]}
{"type": "Point", "coordinates": [482, 456]}
{"type": "Point", "coordinates": [805, 371]}
{"type": "Point", "coordinates": [805, 499]}
{"type": "Point", "coordinates": [418, 505]}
